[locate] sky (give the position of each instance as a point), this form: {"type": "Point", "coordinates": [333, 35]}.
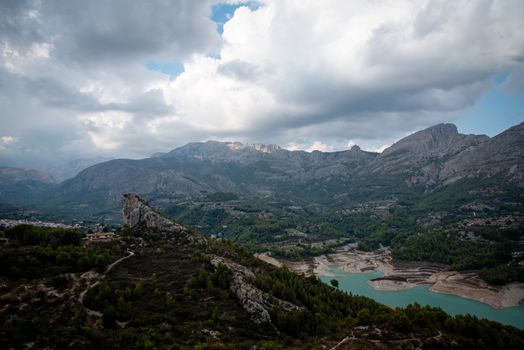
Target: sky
{"type": "Point", "coordinates": [129, 78]}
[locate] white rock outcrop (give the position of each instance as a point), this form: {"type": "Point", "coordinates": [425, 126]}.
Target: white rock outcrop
{"type": "Point", "coordinates": [256, 302]}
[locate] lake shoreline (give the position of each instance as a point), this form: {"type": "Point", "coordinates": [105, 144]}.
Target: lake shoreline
{"type": "Point", "coordinates": [398, 276]}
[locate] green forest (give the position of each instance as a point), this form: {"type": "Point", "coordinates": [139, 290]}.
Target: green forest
{"type": "Point", "coordinates": [169, 289]}
{"type": "Point", "coordinates": [36, 252]}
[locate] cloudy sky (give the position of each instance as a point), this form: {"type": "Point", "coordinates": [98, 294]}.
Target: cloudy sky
{"type": "Point", "coordinates": [128, 78]}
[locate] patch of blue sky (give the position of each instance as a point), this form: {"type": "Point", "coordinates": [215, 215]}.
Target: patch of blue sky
{"type": "Point", "coordinates": [221, 13]}
{"type": "Point", "coordinates": [494, 112]}
{"type": "Point", "coordinates": [173, 69]}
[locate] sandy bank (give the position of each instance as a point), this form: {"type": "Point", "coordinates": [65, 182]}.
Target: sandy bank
{"type": "Point", "coordinates": [469, 285]}
{"type": "Point", "coordinates": [269, 259]}
{"type": "Point", "coordinates": [405, 275]}
{"type": "Point", "coordinates": [390, 285]}
{"type": "Point", "coordinates": [322, 266]}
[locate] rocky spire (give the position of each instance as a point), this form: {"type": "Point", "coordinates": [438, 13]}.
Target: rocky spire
{"type": "Point", "coordinates": [138, 215]}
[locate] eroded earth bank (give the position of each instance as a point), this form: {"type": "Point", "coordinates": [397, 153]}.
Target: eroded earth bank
{"type": "Point", "coordinates": [399, 275]}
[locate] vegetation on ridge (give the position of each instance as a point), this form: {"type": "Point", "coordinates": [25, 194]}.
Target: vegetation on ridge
{"type": "Point", "coordinates": [169, 295]}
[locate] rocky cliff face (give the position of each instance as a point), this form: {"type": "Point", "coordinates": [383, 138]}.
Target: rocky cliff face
{"type": "Point", "coordinates": [440, 155]}
{"type": "Point", "coordinates": [137, 215]}
{"type": "Point", "coordinates": [253, 300]}
{"type": "Point", "coordinates": [426, 146]}
{"type": "Point", "coordinates": [215, 151]}
{"type": "Point", "coordinates": [501, 155]}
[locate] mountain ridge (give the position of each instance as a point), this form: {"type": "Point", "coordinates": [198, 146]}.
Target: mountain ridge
{"type": "Point", "coordinates": [422, 162]}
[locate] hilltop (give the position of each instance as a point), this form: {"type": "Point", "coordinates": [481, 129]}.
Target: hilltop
{"type": "Point", "coordinates": [178, 289]}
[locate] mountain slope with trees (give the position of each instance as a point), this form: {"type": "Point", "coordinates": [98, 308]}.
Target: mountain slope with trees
{"type": "Point", "coordinates": [172, 293]}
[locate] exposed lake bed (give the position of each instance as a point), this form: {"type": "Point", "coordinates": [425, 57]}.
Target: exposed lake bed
{"type": "Point", "coordinates": [358, 283]}
{"type": "Point", "coordinates": [376, 275]}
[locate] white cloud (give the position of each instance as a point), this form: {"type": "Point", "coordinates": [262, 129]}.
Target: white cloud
{"type": "Point", "coordinates": [105, 128]}
{"type": "Point", "coordinates": [5, 141]}
{"type": "Point", "coordinates": [379, 149]}
{"type": "Point", "coordinates": [291, 65]}
{"type": "Point", "coordinates": [306, 74]}
{"type": "Point", "coordinates": [319, 146]}
{"type": "Point", "coordinates": [315, 146]}
{"type": "Point", "coordinates": [351, 143]}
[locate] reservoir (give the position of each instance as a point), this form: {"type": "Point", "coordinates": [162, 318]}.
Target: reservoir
{"type": "Point", "coordinates": [357, 284]}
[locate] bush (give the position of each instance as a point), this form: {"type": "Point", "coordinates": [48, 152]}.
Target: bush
{"type": "Point", "coordinates": [109, 317]}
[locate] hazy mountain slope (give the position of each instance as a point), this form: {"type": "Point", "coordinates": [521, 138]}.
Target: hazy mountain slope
{"type": "Point", "coordinates": [72, 168]}
{"type": "Point", "coordinates": [21, 186]}
{"type": "Point", "coordinates": [200, 168]}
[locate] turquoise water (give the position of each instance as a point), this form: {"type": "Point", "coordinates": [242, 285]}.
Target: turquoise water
{"type": "Point", "coordinates": [357, 284]}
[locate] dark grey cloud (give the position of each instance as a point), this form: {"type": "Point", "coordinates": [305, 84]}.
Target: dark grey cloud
{"type": "Point", "coordinates": [123, 30]}
{"type": "Point", "coordinates": [64, 61]}
{"type": "Point", "coordinates": [417, 65]}
{"type": "Point", "coordinates": [74, 78]}
{"type": "Point", "coordinates": [17, 26]}
{"type": "Point", "coordinates": [90, 32]}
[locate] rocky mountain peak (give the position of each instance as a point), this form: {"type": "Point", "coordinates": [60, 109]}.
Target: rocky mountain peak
{"type": "Point", "coordinates": [442, 129]}
{"type": "Point", "coordinates": [435, 140]}
{"type": "Point", "coordinates": [221, 151]}
{"type": "Point", "coordinates": [137, 215]}
{"type": "Point", "coordinates": [235, 146]}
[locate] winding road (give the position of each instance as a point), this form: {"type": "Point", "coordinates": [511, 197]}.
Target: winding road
{"type": "Point", "coordinates": [109, 268]}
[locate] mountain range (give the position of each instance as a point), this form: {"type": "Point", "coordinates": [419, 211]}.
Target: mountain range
{"type": "Point", "coordinates": [420, 164]}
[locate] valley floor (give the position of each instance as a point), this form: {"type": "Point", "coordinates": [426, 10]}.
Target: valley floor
{"type": "Point", "coordinates": [405, 275]}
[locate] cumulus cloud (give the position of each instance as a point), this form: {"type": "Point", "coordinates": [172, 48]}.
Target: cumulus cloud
{"type": "Point", "coordinates": [5, 141]}
{"type": "Point", "coordinates": [307, 74]}
{"type": "Point", "coordinates": [315, 146]}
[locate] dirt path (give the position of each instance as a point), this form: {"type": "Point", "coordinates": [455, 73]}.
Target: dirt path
{"type": "Point", "coordinates": [109, 268]}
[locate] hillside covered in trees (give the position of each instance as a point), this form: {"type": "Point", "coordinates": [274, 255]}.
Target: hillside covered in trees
{"type": "Point", "coordinates": [180, 290]}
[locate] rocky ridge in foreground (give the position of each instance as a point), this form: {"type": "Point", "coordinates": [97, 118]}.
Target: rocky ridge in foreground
{"type": "Point", "coordinates": [138, 216]}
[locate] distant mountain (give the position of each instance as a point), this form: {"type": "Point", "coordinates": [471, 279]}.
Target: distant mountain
{"type": "Point", "coordinates": [20, 186]}
{"type": "Point", "coordinates": [421, 163]}
{"type": "Point", "coordinates": [157, 154]}
{"type": "Point", "coordinates": [197, 169]}
{"type": "Point", "coordinates": [72, 168]}
{"type": "Point", "coordinates": [25, 174]}
{"type": "Point", "coordinates": [440, 155]}
{"type": "Point", "coordinates": [228, 152]}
